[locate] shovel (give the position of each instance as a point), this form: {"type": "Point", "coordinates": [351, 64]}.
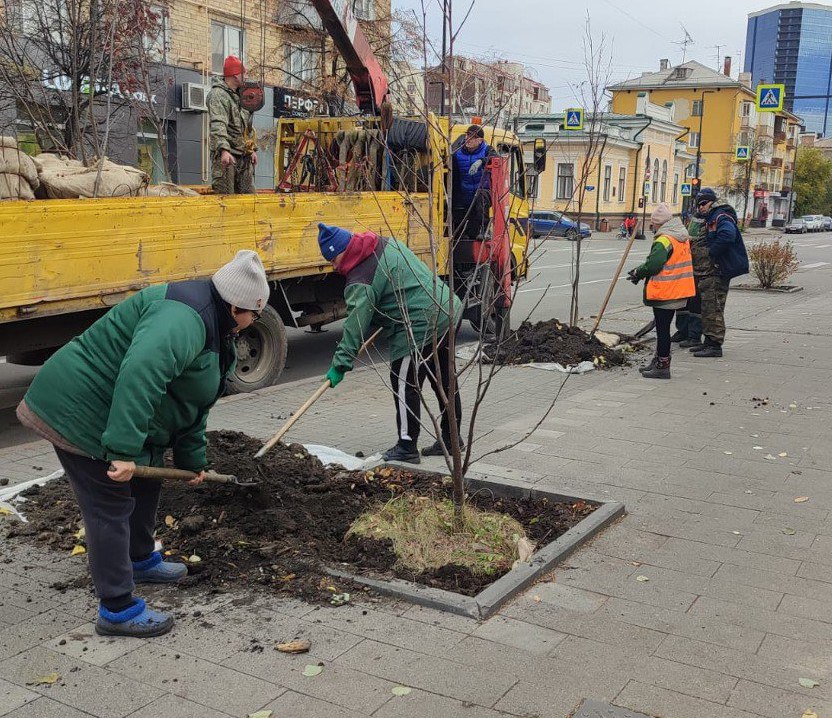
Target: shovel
{"type": "Point", "coordinates": [153, 472]}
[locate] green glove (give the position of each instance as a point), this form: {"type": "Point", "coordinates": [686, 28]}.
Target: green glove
{"type": "Point", "coordinates": [334, 376]}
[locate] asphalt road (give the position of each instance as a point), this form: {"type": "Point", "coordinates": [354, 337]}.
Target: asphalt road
{"type": "Point", "coordinates": [544, 295]}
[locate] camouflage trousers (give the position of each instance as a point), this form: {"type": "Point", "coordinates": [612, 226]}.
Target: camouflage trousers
{"type": "Point", "coordinates": [233, 179]}
{"type": "Point", "coordinates": [713, 290]}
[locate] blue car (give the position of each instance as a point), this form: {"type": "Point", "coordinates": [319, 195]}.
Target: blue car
{"type": "Point", "coordinates": [556, 224]}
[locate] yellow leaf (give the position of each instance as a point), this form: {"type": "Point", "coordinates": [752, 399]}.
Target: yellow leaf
{"type": "Point", "coordinates": [169, 521]}
{"type": "Point", "coordinates": [80, 534]}
{"type": "Point", "coordinates": [46, 680]}
{"type": "Point", "coordinates": [801, 499]}
{"type": "Point", "coordinates": [261, 714]}
{"type": "Point", "coordinates": [810, 714]}
{"type": "Point", "coordinates": [4, 511]}
{"type": "Point", "coordinates": [194, 559]}
{"type": "Point", "coordinates": [642, 579]}
{"type": "Point", "coordinates": [300, 645]}
{"type": "Point", "coordinates": [77, 551]}
{"type": "Point", "coordinates": [169, 552]}
{"type": "Point", "coordinates": [537, 599]}
{"type": "Point", "coordinates": [400, 690]}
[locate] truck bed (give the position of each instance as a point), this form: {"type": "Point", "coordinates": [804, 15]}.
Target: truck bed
{"type": "Point", "coordinates": [60, 256]}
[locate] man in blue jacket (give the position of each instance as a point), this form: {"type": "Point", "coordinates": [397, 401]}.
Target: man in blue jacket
{"type": "Point", "coordinates": [728, 260]}
{"type": "Point", "coordinates": [470, 184]}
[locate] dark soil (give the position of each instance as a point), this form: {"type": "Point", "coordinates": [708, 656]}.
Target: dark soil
{"type": "Point", "coordinates": [280, 533]}
{"type": "Point", "coordinates": [552, 341]}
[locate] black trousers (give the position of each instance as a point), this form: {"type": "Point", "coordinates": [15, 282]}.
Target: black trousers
{"type": "Point", "coordinates": [471, 221]}
{"type": "Point", "coordinates": [664, 318]}
{"type": "Point", "coordinates": [407, 376]}
{"type": "Point", "coordinates": [119, 519]}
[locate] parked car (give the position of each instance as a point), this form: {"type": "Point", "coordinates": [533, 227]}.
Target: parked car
{"type": "Point", "coordinates": [796, 226]}
{"type": "Point", "coordinates": [827, 224]}
{"type": "Point", "coordinates": [556, 224]}
{"type": "Point", "coordinates": [814, 222]}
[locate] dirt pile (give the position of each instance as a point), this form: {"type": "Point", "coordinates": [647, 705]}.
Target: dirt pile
{"type": "Point", "coordinates": [281, 533]}
{"type": "Point", "coordinates": [551, 341]}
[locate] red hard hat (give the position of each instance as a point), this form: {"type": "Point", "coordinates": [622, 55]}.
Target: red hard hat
{"type": "Point", "coordinates": [232, 66]}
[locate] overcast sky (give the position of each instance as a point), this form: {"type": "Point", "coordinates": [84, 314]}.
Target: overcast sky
{"type": "Point", "coordinates": [546, 34]}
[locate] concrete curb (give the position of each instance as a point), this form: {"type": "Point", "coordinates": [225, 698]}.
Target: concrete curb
{"type": "Point", "coordinates": [486, 603]}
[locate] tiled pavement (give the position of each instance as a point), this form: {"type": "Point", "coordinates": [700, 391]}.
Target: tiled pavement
{"type": "Point", "coordinates": [735, 608]}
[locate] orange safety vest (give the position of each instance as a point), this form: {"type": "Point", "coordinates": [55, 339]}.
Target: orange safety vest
{"type": "Point", "coordinates": [675, 281]}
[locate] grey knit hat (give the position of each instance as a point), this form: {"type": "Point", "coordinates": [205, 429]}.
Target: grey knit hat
{"type": "Point", "coordinates": [242, 282]}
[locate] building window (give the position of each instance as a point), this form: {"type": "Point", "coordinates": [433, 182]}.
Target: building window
{"type": "Point", "coordinates": [607, 182]}
{"type": "Point", "coordinates": [745, 109]}
{"type": "Point", "coordinates": [676, 188]}
{"type": "Point", "coordinates": [225, 40]}
{"type": "Point", "coordinates": [655, 179]}
{"type": "Point", "coordinates": [364, 9]}
{"type": "Point", "coordinates": [622, 182]}
{"type": "Point", "coordinates": [565, 181]}
{"type": "Point", "coordinates": [664, 181]}
{"type": "Point", "coordinates": [157, 36]}
{"type": "Point", "coordinates": [696, 111]}
{"type": "Point", "coordinates": [693, 140]}
{"type": "Point", "coordinates": [300, 64]}
{"type": "Point", "coordinates": [149, 150]}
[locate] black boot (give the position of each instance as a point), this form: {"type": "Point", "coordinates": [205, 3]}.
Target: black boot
{"type": "Point", "coordinates": [689, 343]}
{"type": "Point", "coordinates": [677, 337]}
{"type": "Point", "coordinates": [697, 347]}
{"type": "Point", "coordinates": [709, 351]}
{"type": "Point", "coordinates": [400, 452]}
{"type": "Point", "coordinates": [435, 449]}
{"type": "Point", "coordinates": [660, 371]}
{"type": "Point", "coordinates": [650, 366]}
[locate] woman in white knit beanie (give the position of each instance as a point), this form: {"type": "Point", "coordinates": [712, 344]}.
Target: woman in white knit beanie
{"type": "Point", "coordinates": [139, 381]}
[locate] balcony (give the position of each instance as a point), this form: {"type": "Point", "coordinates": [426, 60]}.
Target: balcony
{"type": "Point", "coordinates": [779, 137]}
{"type": "Point", "coordinates": [298, 14]}
{"type": "Point", "coordinates": [791, 144]}
{"type": "Point", "coordinates": [777, 162]}
{"type": "Point", "coordinates": [762, 187]}
{"type": "Point", "coordinates": [765, 131]}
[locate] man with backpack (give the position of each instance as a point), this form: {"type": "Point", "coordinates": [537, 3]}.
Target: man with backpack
{"type": "Point", "coordinates": [726, 258]}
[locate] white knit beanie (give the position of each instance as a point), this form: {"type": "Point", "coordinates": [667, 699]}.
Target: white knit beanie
{"type": "Point", "coordinates": [661, 215]}
{"type": "Point", "coordinates": [242, 282]}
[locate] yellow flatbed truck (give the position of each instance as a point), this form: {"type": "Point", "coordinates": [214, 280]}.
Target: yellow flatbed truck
{"type": "Point", "coordinates": [63, 263]}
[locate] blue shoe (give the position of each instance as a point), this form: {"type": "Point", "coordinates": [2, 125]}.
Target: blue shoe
{"type": "Point", "coordinates": [137, 620]}
{"type": "Point", "coordinates": [154, 570]}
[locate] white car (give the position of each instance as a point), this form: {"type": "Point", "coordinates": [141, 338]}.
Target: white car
{"type": "Point", "coordinates": [814, 222]}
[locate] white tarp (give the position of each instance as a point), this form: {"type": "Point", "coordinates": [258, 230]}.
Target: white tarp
{"type": "Point", "coordinates": [471, 352]}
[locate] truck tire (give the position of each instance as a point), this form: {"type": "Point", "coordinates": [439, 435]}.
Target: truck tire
{"type": "Point", "coordinates": [261, 354]}
{"type": "Point", "coordinates": [487, 325]}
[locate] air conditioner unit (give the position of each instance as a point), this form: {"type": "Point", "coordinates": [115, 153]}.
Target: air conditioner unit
{"type": "Point", "coordinates": [194, 97]}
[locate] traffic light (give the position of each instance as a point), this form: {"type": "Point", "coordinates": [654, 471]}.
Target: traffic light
{"type": "Point", "coordinates": [695, 184]}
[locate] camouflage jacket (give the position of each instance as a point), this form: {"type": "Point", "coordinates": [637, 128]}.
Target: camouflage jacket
{"type": "Point", "coordinates": [703, 265]}
{"type": "Point", "coordinates": [230, 121]}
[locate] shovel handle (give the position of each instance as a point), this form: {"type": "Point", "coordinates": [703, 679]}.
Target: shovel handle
{"type": "Point", "coordinates": [154, 472]}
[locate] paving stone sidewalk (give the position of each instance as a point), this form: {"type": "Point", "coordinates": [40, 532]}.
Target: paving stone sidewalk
{"type": "Point", "coordinates": [734, 611]}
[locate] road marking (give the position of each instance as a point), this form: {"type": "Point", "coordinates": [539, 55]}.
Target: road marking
{"type": "Point", "coordinates": [823, 246]}
{"type": "Point", "coordinates": [562, 266]}
{"type": "Point", "coordinates": [814, 265]}
{"type": "Point", "coordinates": [564, 286]}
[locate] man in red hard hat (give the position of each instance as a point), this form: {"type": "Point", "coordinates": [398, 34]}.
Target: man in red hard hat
{"type": "Point", "coordinates": [232, 143]}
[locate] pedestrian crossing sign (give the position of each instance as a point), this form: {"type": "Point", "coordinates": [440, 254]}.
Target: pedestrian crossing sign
{"type": "Point", "coordinates": [647, 188]}
{"type": "Point", "coordinates": [573, 119]}
{"type": "Point", "coordinates": [770, 98]}
{"type": "Point", "coordinates": [685, 189]}
{"type": "Point", "coordinates": [742, 154]}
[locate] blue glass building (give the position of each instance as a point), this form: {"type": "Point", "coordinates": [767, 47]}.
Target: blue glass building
{"type": "Point", "coordinates": [791, 44]}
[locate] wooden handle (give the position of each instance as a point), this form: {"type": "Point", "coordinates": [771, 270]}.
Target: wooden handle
{"type": "Point", "coordinates": [612, 284]}
{"type": "Point", "coordinates": [154, 472]}
{"type": "Point", "coordinates": [311, 400]}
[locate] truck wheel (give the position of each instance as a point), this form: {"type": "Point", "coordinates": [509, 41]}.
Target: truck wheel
{"type": "Point", "coordinates": [261, 354]}
{"type": "Point", "coordinates": [486, 322]}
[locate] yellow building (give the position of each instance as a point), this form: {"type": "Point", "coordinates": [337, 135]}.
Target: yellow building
{"type": "Point", "coordinates": [624, 163]}
{"type": "Point", "coordinates": [719, 114]}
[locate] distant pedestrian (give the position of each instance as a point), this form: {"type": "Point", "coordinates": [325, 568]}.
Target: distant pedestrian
{"type": "Point", "coordinates": [140, 380]}
{"type": "Point", "coordinates": [725, 259]}
{"type": "Point", "coordinates": [630, 224]}
{"type": "Point", "coordinates": [668, 271]}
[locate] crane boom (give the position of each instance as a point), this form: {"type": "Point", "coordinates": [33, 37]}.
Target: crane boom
{"type": "Point", "coordinates": [368, 79]}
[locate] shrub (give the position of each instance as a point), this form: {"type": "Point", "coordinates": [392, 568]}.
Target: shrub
{"type": "Point", "coordinates": [773, 262]}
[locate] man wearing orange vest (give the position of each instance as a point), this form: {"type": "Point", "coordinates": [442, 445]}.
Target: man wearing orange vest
{"type": "Point", "coordinates": [668, 271]}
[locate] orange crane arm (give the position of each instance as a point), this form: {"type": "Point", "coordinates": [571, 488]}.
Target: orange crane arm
{"type": "Point", "coordinates": [368, 79]}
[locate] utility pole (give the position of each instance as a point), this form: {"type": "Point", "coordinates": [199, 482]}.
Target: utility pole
{"type": "Point", "coordinates": [444, 56]}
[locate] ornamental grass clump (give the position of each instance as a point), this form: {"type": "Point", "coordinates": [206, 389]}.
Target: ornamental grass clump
{"type": "Point", "coordinates": [773, 262]}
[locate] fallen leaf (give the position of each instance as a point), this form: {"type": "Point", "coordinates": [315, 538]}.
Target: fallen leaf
{"type": "Point", "coordinates": [801, 499]}
{"type": "Point", "coordinates": [810, 714]}
{"type": "Point", "coordinates": [748, 491]}
{"type": "Point", "coordinates": [635, 563]}
{"type": "Point", "coordinates": [169, 521]}
{"type": "Point", "coordinates": [312, 670]}
{"type": "Point", "coordinates": [757, 448]}
{"type": "Point", "coordinates": [339, 599]}
{"type": "Point", "coordinates": [80, 534]}
{"type": "Point", "coordinates": [808, 683]}
{"type": "Point", "coordinates": [736, 533]}
{"type": "Point", "coordinates": [4, 511]}
{"type": "Point", "coordinates": [782, 455]}
{"type": "Point", "coordinates": [169, 552]}
{"type": "Point", "coordinates": [46, 680]}
{"type": "Point", "coordinates": [194, 559]}
{"type": "Point", "coordinates": [301, 645]}
{"type": "Point", "coordinates": [261, 714]}
{"type": "Point", "coordinates": [728, 453]}
{"type": "Point", "coordinates": [525, 549]}
{"type": "Point", "coordinates": [400, 690]}
{"type": "Point", "coordinates": [770, 457]}
{"type": "Point", "coordinates": [642, 578]}
{"type": "Point", "coordinates": [77, 551]}
{"type": "Point", "coordinates": [792, 406]}
{"type": "Point", "coordinates": [789, 532]}
{"type": "Point", "coordinates": [537, 599]}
